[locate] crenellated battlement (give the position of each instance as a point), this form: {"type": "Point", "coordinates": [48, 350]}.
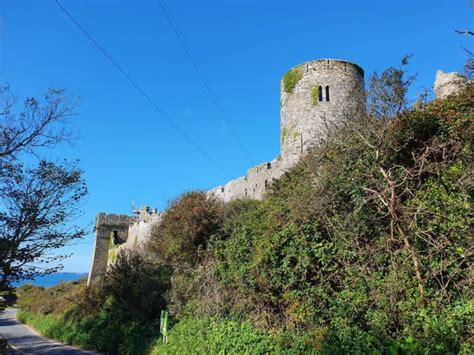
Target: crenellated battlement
{"type": "Point", "coordinates": [113, 220]}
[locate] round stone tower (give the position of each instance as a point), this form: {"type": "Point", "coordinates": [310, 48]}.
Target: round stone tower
{"type": "Point", "coordinates": [315, 96]}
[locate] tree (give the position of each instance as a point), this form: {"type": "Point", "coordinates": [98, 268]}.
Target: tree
{"type": "Point", "coordinates": [185, 228]}
{"type": "Point", "coordinates": [36, 125]}
{"type": "Point", "coordinates": [469, 66]}
{"type": "Point", "coordinates": [387, 91]}
{"type": "Point", "coordinates": [180, 241]}
{"type": "Point", "coordinates": [37, 200]}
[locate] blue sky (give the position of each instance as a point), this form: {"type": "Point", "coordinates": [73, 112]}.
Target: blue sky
{"type": "Point", "coordinates": [129, 153]}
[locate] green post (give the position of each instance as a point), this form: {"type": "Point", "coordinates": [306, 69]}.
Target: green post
{"type": "Point", "coordinates": [164, 325]}
{"type": "Point", "coordinates": [162, 318]}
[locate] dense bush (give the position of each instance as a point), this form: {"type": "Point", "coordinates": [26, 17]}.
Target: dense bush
{"type": "Point", "coordinates": [180, 242]}
{"type": "Point", "coordinates": [185, 228]}
{"type": "Point", "coordinates": [365, 246]}
{"type": "Point", "coordinates": [366, 242]}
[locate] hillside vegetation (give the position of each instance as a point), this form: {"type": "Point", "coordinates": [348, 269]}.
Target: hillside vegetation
{"type": "Point", "coordinates": [364, 247]}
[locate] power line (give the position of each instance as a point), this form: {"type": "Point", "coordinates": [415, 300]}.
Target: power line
{"type": "Point", "coordinates": [141, 91]}
{"type": "Point", "coordinates": [197, 68]}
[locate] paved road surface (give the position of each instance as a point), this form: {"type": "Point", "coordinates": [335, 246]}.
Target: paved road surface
{"type": "Point", "coordinates": [27, 341]}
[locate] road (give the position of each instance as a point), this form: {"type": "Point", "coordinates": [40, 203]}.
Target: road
{"type": "Point", "coordinates": [24, 340]}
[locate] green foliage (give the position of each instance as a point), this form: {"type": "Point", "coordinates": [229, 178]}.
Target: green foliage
{"type": "Point", "coordinates": [96, 333]}
{"type": "Point", "coordinates": [361, 238]}
{"type": "Point", "coordinates": [365, 246]}
{"type": "Point", "coordinates": [210, 336]}
{"type": "Point", "coordinates": [117, 315]}
{"type": "Point", "coordinates": [315, 95]}
{"type": "Point", "coordinates": [135, 288]}
{"type": "Point", "coordinates": [180, 241]}
{"type": "Point", "coordinates": [185, 228]}
{"type": "Point", "coordinates": [291, 78]}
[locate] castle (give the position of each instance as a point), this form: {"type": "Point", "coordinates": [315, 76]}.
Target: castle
{"type": "Point", "coordinates": [313, 96]}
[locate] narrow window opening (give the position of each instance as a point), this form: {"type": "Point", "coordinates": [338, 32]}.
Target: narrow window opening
{"type": "Point", "coordinates": [266, 184]}
{"type": "Point", "coordinates": [320, 94]}
{"type": "Point", "coordinates": [301, 143]}
{"type": "Point", "coordinates": [327, 93]}
{"type": "Point", "coordinates": [269, 165]}
{"type": "Point", "coordinates": [245, 192]}
{"type": "Point", "coordinates": [222, 189]}
{"type": "Point", "coordinates": [116, 238]}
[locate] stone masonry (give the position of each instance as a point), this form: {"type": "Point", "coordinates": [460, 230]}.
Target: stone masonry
{"type": "Point", "coordinates": [108, 228]}
{"type": "Point", "coordinates": [448, 84]}
{"type": "Point", "coordinates": [140, 230]}
{"type": "Point", "coordinates": [327, 92]}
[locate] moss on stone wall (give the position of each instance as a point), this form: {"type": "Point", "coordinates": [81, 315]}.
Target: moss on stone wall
{"type": "Point", "coordinates": [315, 95]}
{"type": "Point", "coordinates": [112, 256]}
{"type": "Point", "coordinates": [284, 133]}
{"type": "Point", "coordinates": [291, 78]}
{"type": "Point", "coordinates": [289, 132]}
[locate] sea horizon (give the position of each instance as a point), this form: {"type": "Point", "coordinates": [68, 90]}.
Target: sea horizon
{"type": "Point", "coordinates": [53, 279]}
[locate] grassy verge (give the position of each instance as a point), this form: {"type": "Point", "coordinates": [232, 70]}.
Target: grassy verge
{"type": "Point", "coordinates": [56, 327]}
{"type": "Point", "coordinates": [210, 336]}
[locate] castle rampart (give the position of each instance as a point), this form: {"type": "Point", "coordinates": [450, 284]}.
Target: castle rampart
{"type": "Point", "coordinates": [253, 185]}
{"type": "Point", "coordinates": [139, 232]}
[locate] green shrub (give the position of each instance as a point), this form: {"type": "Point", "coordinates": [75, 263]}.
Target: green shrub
{"type": "Point", "coordinates": [185, 228]}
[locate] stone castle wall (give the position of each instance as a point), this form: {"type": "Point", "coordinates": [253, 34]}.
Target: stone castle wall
{"type": "Point", "coordinates": [107, 226]}
{"type": "Point", "coordinates": [328, 92]}
{"type": "Point", "coordinates": [139, 233]}
{"type": "Point", "coordinates": [325, 93]}
{"type": "Point", "coordinates": [253, 185]}
{"type": "Point", "coordinates": [304, 120]}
